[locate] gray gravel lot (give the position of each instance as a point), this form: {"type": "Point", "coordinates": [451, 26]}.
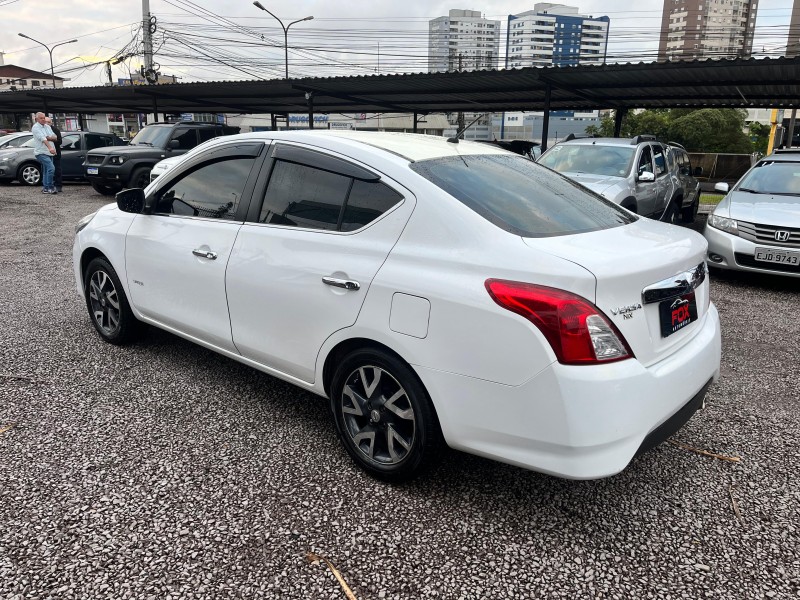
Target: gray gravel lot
{"type": "Point", "coordinates": [162, 470]}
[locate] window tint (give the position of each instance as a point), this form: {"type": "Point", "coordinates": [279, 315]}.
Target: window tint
{"type": "Point", "coordinates": [214, 190]}
{"type": "Point", "coordinates": [207, 133]}
{"type": "Point", "coordinates": [97, 141]}
{"type": "Point", "coordinates": [520, 196]}
{"type": "Point", "coordinates": [367, 201]}
{"type": "Point", "coordinates": [645, 162]}
{"type": "Point", "coordinates": [661, 163]}
{"type": "Point", "coordinates": [71, 142]}
{"type": "Point", "coordinates": [187, 138]}
{"type": "Point", "coordinates": [303, 196]}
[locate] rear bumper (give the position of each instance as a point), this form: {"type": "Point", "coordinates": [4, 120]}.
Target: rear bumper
{"type": "Point", "coordinates": [574, 421]}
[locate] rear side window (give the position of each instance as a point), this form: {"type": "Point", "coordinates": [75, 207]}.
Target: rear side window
{"type": "Point", "coordinates": [521, 196]}
{"type": "Point", "coordinates": [304, 196]}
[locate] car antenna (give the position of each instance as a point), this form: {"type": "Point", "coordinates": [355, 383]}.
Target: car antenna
{"type": "Point", "coordinates": [454, 139]}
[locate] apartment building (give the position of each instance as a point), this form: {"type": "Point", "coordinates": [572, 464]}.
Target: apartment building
{"type": "Point", "coordinates": [463, 41]}
{"type": "Point", "coordinates": [699, 29]}
{"type": "Point", "coordinates": [555, 35]}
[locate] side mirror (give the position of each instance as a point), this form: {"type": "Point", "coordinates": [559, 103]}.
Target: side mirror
{"type": "Point", "coordinates": [174, 144]}
{"type": "Point", "coordinates": [646, 176]}
{"type": "Point", "coordinates": [131, 201]}
{"type": "Point", "coordinates": [698, 171]}
{"type": "Point", "coordinates": [721, 187]}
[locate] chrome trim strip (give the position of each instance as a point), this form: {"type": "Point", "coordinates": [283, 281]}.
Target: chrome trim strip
{"type": "Point", "coordinates": [675, 286]}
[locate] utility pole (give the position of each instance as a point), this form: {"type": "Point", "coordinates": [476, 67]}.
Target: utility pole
{"type": "Point", "coordinates": [148, 39]}
{"type": "Point", "coordinates": [460, 121]}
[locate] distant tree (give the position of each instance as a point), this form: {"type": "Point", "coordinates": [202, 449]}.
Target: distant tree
{"type": "Point", "coordinates": [699, 130]}
{"type": "Point", "coordinates": [712, 130]}
{"type": "Point", "coordinates": [759, 136]}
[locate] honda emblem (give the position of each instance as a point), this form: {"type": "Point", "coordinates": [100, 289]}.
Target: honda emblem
{"type": "Point", "coordinates": [782, 236]}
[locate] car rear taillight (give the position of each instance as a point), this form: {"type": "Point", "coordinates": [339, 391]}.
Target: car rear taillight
{"type": "Point", "coordinates": [577, 330]}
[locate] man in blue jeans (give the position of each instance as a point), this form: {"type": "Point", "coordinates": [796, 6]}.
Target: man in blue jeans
{"type": "Point", "coordinates": [44, 149]}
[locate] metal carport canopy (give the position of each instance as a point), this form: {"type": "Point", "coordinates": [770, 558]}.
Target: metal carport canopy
{"type": "Point", "coordinates": [749, 83]}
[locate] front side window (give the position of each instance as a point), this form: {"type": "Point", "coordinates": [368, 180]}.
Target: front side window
{"type": "Point", "coordinates": [520, 196]}
{"type": "Point", "coordinates": [303, 196]}
{"type": "Point", "coordinates": [645, 164]}
{"type": "Point", "coordinates": [214, 190]}
{"type": "Point", "coordinates": [71, 142]}
{"type": "Point", "coordinates": [660, 160]}
{"type": "Point", "coordinates": [97, 141]}
{"type": "Point", "coordinates": [187, 138]}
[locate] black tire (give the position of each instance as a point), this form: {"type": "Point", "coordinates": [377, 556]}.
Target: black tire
{"type": "Point", "coordinates": [383, 415]}
{"type": "Point", "coordinates": [140, 177]}
{"type": "Point", "coordinates": [670, 214]}
{"type": "Point", "coordinates": [30, 174]}
{"type": "Point", "coordinates": [107, 304]}
{"type": "Point", "coordinates": [106, 190]}
{"type": "Point", "coordinates": [689, 213]}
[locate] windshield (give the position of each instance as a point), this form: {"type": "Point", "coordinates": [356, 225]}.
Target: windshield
{"type": "Point", "coordinates": [773, 178]}
{"type": "Point", "coordinates": [589, 158]}
{"type": "Point", "coordinates": [152, 136]}
{"type": "Point", "coordinates": [520, 196]}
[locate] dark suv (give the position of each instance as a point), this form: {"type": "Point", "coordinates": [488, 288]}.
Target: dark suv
{"type": "Point", "coordinates": [110, 170]}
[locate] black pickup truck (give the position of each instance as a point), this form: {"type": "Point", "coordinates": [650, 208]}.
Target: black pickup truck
{"type": "Point", "coordinates": [110, 170]}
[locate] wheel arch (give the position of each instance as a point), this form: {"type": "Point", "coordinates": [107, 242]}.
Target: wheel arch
{"type": "Point", "coordinates": [344, 347]}
{"type": "Point", "coordinates": [631, 204]}
{"type": "Point", "coordinates": [88, 255]}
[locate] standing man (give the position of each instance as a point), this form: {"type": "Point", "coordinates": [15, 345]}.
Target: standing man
{"type": "Point", "coordinates": [57, 174]}
{"type": "Point", "coordinates": [44, 150]}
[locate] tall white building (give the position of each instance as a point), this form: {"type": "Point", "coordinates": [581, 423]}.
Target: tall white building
{"type": "Point", "coordinates": [555, 34]}
{"type": "Point", "coordinates": [463, 41]}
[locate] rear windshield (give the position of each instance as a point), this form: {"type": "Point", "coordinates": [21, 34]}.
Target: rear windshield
{"type": "Point", "coordinates": [520, 196]}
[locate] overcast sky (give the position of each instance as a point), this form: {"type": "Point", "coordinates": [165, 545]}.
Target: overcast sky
{"type": "Point", "coordinates": [345, 38]}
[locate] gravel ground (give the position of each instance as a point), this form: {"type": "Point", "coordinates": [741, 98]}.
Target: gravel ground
{"type": "Point", "coordinates": [162, 470]}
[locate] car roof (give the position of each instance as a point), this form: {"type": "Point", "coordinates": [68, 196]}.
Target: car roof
{"type": "Point", "coordinates": [783, 155]}
{"type": "Point", "coordinates": [602, 141]}
{"type": "Point", "coordinates": [411, 146]}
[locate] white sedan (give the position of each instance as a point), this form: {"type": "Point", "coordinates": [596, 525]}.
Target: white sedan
{"type": "Point", "coordinates": [435, 292]}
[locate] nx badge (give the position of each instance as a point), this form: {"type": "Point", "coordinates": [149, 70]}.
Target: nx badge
{"type": "Point", "coordinates": [626, 311]}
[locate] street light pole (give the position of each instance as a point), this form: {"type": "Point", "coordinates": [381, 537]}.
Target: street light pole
{"type": "Point", "coordinates": [49, 51]}
{"type": "Point", "coordinates": [258, 4]}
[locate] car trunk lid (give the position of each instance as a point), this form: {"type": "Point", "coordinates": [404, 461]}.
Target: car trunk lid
{"type": "Point", "coordinates": [642, 270]}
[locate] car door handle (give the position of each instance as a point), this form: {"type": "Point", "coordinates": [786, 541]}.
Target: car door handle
{"type": "Point", "coordinates": [341, 283]}
{"type": "Point", "coordinates": [205, 254]}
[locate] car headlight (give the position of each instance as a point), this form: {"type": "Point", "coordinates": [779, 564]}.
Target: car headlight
{"type": "Point", "coordinates": [723, 224]}
{"type": "Point", "coordinates": [117, 160]}
{"type": "Point", "coordinates": [84, 222]}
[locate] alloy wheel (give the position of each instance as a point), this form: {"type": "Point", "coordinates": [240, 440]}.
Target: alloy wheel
{"type": "Point", "coordinates": [105, 302]}
{"type": "Point", "coordinates": [30, 175]}
{"type": "Point", "coordinates": [378, 415]}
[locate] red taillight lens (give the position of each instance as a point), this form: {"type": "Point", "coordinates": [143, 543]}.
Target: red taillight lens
{"type": "Point", "coordinates": [577, 330]}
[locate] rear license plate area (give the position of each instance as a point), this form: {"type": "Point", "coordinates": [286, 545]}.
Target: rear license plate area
{"type": "Point", "coordinates": [677, 313]}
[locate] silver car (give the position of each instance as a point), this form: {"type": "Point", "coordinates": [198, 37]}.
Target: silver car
{"type": "Point", "coordinates": [19, 163]}
{"type": "Point", "coordinates": [633, 172]}
{"type": "Point", "coordinates": [756, 227]}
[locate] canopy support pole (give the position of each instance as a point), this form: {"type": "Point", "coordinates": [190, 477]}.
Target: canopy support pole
{"type": "Point", "coordinates": [619, 114]}
{"type": "Point", "coordinates": [546, 118]}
